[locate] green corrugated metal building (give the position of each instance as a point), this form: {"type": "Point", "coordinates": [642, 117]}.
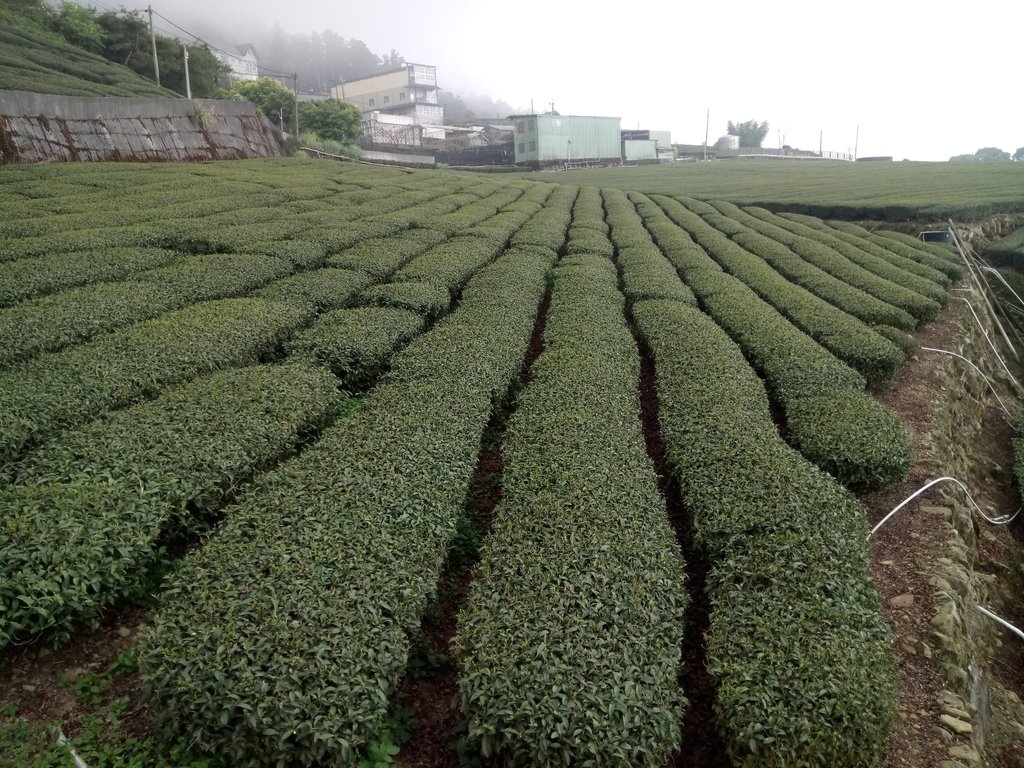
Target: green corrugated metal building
{"type": "Point", "coordinates": [542, 140]}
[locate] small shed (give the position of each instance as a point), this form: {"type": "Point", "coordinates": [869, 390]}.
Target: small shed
{"type": "Point", "coordinates": [553, 139]}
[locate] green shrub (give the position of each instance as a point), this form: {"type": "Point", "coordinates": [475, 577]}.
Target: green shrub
{"type": "Point", "coordinates": [64, 319]}
{"type": "Point", "coordinates": [61, 389]}
{"type": "Point", "coordinates": [547, 229]}
{"type": "Point", "coordinates": [450, 264]}
{"type": "Point", "coordinates": [283, 637]}
{"type": "Point", "coordinates": [381, 256]}
{"type": "Point", "coordinates": [426, 299]}
{"type": "Point", "coordinates": [865, 266]}
{"type": "Point", "coordinates": [570, 641]}
{"type": "Point", "coordinates": [85, 522]}
{"type": "Point", "coordinates": [809, 382]}
{"type": "Point", "coordinates": [846, 297]}
{"type": "Point", "coordinates": [323, 288]}
{"type": "Point", "coordinates": [356, 344]}
{"type": "Point", "coordinates": [796, 647]}
{"type": "Point", "coordinates": [33, 278]}
{"type": "Point", "coordinates": [874, 356]}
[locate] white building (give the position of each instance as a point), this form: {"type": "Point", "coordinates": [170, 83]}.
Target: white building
{"type": "Point", "coordinates": [244, 65]}
{"type": "Point", "coordinates": [408, 92]}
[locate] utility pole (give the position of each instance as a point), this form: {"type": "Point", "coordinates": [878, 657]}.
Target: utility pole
{"type": "Point", "coordinates": [188, 84]}
{"type": "Point", "coordinates": [707, 125]}
{"type": "Point", "coordinates": [152, 39]}
{"type": "Point", "coordinates": [856, 141]}
{"type": "Point", "coordinates": [821, 135]}
{"type": "Point", "coordinates": [295, 83]}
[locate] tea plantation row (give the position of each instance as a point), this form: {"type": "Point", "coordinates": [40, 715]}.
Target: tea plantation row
{"type": "Point", "coordinates": [179, 345]}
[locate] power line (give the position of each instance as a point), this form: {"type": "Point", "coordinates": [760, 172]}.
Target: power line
{"type": "Point", "coordinates": [267, 70]}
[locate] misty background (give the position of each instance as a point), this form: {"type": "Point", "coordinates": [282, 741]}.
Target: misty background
{"type": "Point", "coordinates": [915, 80]}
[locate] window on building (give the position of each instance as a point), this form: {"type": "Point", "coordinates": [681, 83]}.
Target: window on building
{"type": "Point", "coordinates": [387, 99]}
{"type": "Point", "coordinates": [520, 126]}
{"type": "Point", "coordinates": [401, 95]}
{"type": "Point", "coordinates": [372, 103]}
{"type": "Point", "coordinates": [533, 146]}
{"type": "Point", "coordinates": [533, 124]}
{"type": "Point", "coordinates": [522, 146]}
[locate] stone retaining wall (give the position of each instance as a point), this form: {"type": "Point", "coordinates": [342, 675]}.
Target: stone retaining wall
{"type": "Point", "coordinates": [40, 127]}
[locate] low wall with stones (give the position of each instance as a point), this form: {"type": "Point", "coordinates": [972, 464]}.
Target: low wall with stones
{"type": "Point", "coordinates": [40, 127]}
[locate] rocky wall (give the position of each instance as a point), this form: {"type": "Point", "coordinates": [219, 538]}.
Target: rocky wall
{"type": "Point", "coordinates": [40, 127]}
{"type": "Point", "coordinates": [981, 720]}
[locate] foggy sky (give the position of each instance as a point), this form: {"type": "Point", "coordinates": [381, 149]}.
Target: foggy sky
{"type": "Point", "coordinates": [921, 80]}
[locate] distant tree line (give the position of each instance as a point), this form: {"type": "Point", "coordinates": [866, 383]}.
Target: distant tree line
{"type": "Point", "coordinates": [988, 154]}
{"type": "Point", "coordinates": [320, 59]}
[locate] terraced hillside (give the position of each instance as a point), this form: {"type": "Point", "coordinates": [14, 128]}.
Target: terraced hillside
{"type": "Point", "coordinates": [32, 62]}
{"type": "Point", "coordinates": [308, 360]}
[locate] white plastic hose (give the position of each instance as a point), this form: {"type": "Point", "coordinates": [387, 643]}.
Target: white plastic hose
{"type": "Point", "coordinates": [1001, 520]}
{"type": "Point", "coordinates": [1004, 622]}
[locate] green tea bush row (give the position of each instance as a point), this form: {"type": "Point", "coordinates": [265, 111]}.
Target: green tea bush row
{"type": "Point", "coordinates": [281, 640]}
{"type": "Point", "coordinates": [58, 321]}
{"type": "Point", "coordinates": [829, 417]}
{"type": "Point", "coordinates": [624, 221]}
{"type": "Point", "coordinates": [450, 264]}
{"type": "Point", "coordinates": [85, 520]}
{"type": "Point", "coordinates": [570, 640]}
{"type": "Point", "coordinates": [846, 297]}
{"type": "Point", "coordinates": [32, 62]}
{"type": "Point", "coordinates": [215, 276]}
{"type": "Point", "coordinates": [356, 344]}
{"type": "Point", "coordinates": [34, 278]}
{"type": "Point", "coordinates": [81, 240]}
{"type": "Point", "coordinates": [865, 264]}
{"type": "Point", "coordinates": [589, 241]}
{"type": "Point", "coordinates": [873, 256]}
{"type": "Point", "coordinates": [325, 289]}
{"type": "Point", "coordinates": [301, 254]}
{"type": "Point", "coordinates": [471, 214]}
{"type": "Point", "coordinates": [381, 256]}
{"type": "Point", "coordinates": [336, 238]}
{"type": "Point", "coordinates": [796, 647]}
{"type": "Point", "coordinates": [64, 319]}
{"type": "Point", "coordinates": [61, 389]}
{"type": "Point", "coordinates": [858, 250]}
{"type": "Point", "coordinates": [427, 299]}
{"type": "Point", "coordinates": [547, 228]}
{"type": "Point", "coordinates": [500, 228]}
{"type": "Point", "coordinates": [942, 251]}
{"type": "Point", "coordinates": [645, 271]}
{"type": "Point", "coordinates": [588, 211]}
{"type": "Point", "coordinates": [874, 356]}
{"type": "Point", "coordinates": [420, 214]}
{"type": "Point", "coordinates": [909, 257]}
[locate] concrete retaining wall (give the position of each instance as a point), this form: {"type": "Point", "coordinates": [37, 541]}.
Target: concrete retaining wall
{"type": "Point", "coordinates": [39, 127]}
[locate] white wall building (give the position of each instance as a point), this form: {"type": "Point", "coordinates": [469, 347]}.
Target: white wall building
{"type": "Point", "coordinates": [244, 64]}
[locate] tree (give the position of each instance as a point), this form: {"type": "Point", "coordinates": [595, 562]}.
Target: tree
{"type": "Point", "coordinates": [79, 26]}
{"type": "Point", "coordinates": [751, 132]}
{"type": "Point", "coordinates": [983, 155]}
{"type": "Point", "coordinates": [991, 153]}
{"type": "Point", "coordinates": [271, 98]}
{"type": "Point", "coordinates": [1019, 154]}
{"type": "Point", "coordinates": [331, 119]}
